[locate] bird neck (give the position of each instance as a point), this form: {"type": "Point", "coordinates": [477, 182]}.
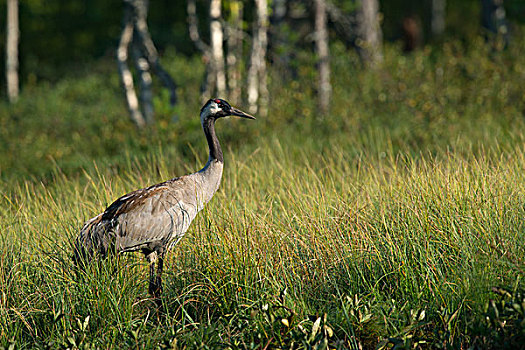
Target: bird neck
{"type": "Point", "coordinates": [208, 125]}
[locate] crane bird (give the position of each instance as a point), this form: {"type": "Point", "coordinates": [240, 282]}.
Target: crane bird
{"type": "Point", "coordinates": [155, 218]}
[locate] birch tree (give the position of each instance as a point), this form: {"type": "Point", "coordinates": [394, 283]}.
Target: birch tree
{"type": "Point", "coordinates": [369, 32]}
{"type": "Point", "coordinates": [234, 55]}
{"type": "Point", "coordinates": [217, 50]}
{"type": "Point", "coordinates": [13, 35]}
{"type": "Point", "coordinates": [214, 82]}
{"type": "Point", "coordinates": [208, 83]}
{"type": "Point", "coordinates": [257, 75]}
{"type": "Point", "coordinates": [437, 22]}
{"type": "Point", "coordinates": [126, 77]}
{"type": "Point", "coordinates": [146, 60]}
{"type": "Point", "coordinates": [279, 39]}
{"type": "Point", "coordinates": [344, 24]}
{"type": "Point", "coordinates": [321, 44]}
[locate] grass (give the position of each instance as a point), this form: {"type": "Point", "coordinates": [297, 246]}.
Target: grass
{"type": "Point", "coordinates": [399, 235]}
{"type": "Point", "coordinates": [395, 222]}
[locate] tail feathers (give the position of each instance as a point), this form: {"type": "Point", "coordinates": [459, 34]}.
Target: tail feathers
{"type": "Point", "coordinates": [90, 241]}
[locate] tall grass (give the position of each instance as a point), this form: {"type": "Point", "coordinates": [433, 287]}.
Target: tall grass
{"type": "Point", "coordinates": [395, 232]}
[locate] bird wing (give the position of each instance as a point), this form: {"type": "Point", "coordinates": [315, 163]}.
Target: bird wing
{"type": "Point", "coordinates": [152, 216]}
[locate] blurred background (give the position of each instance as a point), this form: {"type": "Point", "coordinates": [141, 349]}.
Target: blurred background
{"type": "Point", "coordinates": [97, 79]}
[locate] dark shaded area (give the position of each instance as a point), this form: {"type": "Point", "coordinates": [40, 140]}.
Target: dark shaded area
{"type": "Point", "coordinates": [59, 35]}
{"type": "Point", "coordinates": [56, 36]}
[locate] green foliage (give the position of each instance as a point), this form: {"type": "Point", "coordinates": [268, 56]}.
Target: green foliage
{"type": "Point", "coordinates": [502, 323]}
{"type": "Point", "coordinates": [386, 224]}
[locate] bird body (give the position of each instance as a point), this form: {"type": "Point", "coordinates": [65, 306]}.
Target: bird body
{"type": "Point", "coordinates": [155, 218]}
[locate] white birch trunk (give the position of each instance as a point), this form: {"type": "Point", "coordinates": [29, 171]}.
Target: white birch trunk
{"type": "Point", "coordinates": [151, 55]}
{"type": "Point", "coordinates": [145, 81]}
{"type": "Point", "coordinates": [438, 17]}
{"type": "Point", "coordinates": [262, 19]}
{"type": "Point", "coordinates": [207, 85]}
{"type": "Point", "coordinates": [193, 27]}
{"type": "Point", "coordinates": [126, 77]}
{"type": "Point", "coordinates": [321, 44]}
{"type": "Point", "coordinates": [370, 34]}
{"type": "Point", "coordinates": [217, 51]}
{"type": "Point", "coordinates": [13, 35]}
{"type": "Point", "coordinates": [257, 76]}
{"type": "Point", "coordinates": [146, 59]}
{"type": "Point", "coordinates": [233, 58]}
{"type": "Point", "coordinates": [253, 77]}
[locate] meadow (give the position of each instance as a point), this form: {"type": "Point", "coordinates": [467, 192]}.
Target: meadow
{"type": "Point", "coordinates": [396, 221]}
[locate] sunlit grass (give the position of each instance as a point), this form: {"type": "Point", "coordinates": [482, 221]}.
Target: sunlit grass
{"type": "Point", "coordinates": [397, 232]}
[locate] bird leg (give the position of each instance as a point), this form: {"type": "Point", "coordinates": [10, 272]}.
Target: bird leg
{"type": "Point", "coordinates": [154, 288]}
{"type": "Point", "coordinates": [155, 280]}
{"type": "Point", "coordinates": [158, 278]}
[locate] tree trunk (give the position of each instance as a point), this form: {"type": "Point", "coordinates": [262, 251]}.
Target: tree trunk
{"type": "Point", "coordinates": [257, 76]}
{"type": "Point", "coordinates": [321, 44]}
{"type": "Point", "coordinates": [369, 33]}
{"type": "Point", "coordinates": [150, 51]}
{"type": "Point", "coordinates": [437, 22]}
{"type": "Point", "coordinates": [217, 51]}
{"type": "Point", "coordinates": [279, 46]}
{"type": "Point", "coordinates": [493, 20]}
{"type": "Point", "coordinates": [412, 33]}
{"type": "Point", "coordinates": [344, 24]}
{"type": "Point", "coordinates": [13, 35]}
{"type": "Point", "coordinates": [234, 56]}
{"type": "Point", "coordinates": [126, 77]}
{"type": "Point", "coordinates": [193, 28]}
{"type": "Point", "coordinates": [144, 76]}
{"type": "Point", "coordinates": [253, 78]}
{"type": "Point", "coordinates": [145, 56]}
{"type": "Point", "coordinates": [262, 21]}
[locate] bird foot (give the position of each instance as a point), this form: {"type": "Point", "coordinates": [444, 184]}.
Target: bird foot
{"type": "Point", "coordinates": [155, 290]}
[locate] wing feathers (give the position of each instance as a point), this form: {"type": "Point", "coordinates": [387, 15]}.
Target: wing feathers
{"type": "Point", "coordinates": [144, 217]}
{"type": "Point", "coordinates": [152, 217]}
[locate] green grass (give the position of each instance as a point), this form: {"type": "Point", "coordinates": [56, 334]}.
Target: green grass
{"type": "Point", "coordinates": [399, 234]}
{"type": "Point", "coordinates": [386, 223]}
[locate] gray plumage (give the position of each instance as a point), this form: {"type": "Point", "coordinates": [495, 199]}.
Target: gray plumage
{"type": "Point", "coordinates": [155, 218]}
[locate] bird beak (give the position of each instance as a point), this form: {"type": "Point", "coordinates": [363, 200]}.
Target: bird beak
{"type": "Point", "coordinates": [239, 113]}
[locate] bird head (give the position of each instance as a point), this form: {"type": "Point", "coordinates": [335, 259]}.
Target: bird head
{"type": "Point", "coordinates": [217, 108]}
